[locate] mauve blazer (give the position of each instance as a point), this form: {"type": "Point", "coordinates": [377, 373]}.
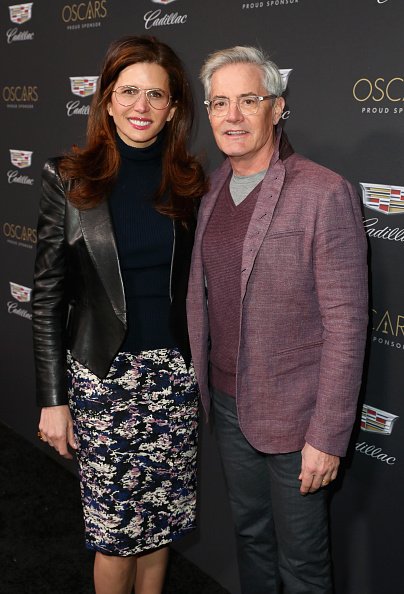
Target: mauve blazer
{"type": "Point", "coordinates": [303, 308]}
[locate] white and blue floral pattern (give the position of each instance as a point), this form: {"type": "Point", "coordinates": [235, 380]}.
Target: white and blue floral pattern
{"type": "Point", "coordinates": [137, 435]}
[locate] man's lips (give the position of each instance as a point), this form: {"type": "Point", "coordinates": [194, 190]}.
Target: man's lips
{"type": "Point", "coordinates": [235, 132]}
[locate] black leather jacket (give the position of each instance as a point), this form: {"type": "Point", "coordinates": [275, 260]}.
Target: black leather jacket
{"type": "Point", "coordinates": [78, 297]}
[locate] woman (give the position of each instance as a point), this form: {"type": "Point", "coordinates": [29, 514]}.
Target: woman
{"type": "Point", "coordinates": [114, 376]}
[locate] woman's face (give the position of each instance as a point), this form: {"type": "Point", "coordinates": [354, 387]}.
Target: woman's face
{"type": "Point", "coordinates": [139, 124]}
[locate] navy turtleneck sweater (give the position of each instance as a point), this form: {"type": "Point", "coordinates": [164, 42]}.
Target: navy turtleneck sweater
{"type": "Point", "coordinates": [145, 244]}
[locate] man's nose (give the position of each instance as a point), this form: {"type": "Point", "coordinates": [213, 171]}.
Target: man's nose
{"type": "Point", "coordinates": [234, 114]}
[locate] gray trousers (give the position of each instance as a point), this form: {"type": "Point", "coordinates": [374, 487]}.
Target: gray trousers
{"type": "Point", "coordinates": [281, 535]}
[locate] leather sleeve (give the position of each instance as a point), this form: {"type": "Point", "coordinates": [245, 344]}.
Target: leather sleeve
{"type": "Point", "coordinates": [49, 299]}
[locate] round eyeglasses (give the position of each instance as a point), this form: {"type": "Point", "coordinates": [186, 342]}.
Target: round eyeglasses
{"type": "Point", "coordinates": [128, 95]}
{"type": "Point", "coordinates": [248, 104]}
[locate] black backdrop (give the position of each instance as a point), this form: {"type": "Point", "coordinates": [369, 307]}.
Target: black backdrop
{"type": "Point", "coordinates": [345, 109]}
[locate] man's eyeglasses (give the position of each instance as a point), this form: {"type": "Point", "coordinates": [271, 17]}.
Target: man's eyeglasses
{"type": "Point", "coordinates": [128, 95]}
{"type": "Point", "coordinates": [248, 105]}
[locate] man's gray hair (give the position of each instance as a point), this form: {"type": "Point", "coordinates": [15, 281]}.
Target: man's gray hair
{"type": "Point", "coordinates": [271, 77]}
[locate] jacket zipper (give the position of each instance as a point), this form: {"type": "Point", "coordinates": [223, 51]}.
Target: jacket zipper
{"type": "Point", "coordinates": [172, 263]}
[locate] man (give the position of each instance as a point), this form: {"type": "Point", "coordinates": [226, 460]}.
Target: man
{"type": "Point", "coordinates": [277, 311]}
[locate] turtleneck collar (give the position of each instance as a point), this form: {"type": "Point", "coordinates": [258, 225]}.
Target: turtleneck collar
{"type": "Point", "coordinates": [152, 151]}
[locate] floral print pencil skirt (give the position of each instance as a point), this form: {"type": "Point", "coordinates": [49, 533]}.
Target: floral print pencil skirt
{"type": "Point", "coordinates": [137, 436]}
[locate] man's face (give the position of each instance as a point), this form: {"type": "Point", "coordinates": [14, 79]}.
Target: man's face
{"type": "Point", "coordinates": [247, 139]}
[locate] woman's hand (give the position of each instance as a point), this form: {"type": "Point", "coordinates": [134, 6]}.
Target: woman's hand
{"type": "Point", "coordinates": [56, 428]}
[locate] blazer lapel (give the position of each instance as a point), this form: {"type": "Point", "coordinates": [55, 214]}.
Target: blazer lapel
{"type": "Point", "coordinates": [209, 201]}
{"type": "Point", "coordinates": [98, 233]}
{"type": "Point", "coordinates": [261, 219]}
{"type": "Point", "coordinates": [198, 326]}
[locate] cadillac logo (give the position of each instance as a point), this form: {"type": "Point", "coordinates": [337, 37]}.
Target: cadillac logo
{"type": "Point", "coordinates": [285, 73]}
{"type": "Point", "coordinates": [20, 13]}
{"type": "Point", "coordinates": [20, 159]}
{"type": "Point", "coordinates": [21, 293]}
{"type": "Point", "coordinates": [375, 420]}
{"type": "Point", "coordinates": [386, 199]}
{"type": "Point", "coordinates": [83, 86]}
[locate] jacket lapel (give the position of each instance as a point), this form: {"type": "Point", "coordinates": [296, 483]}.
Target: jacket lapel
{"type": "Point", "coordinates": [98, 233]}
{"type": "Point", "coordinates": [198, 325]}
{"type": "Point", "coordinates": [262, 216]}
{"type": "Point", "coordinates": [209, 200]}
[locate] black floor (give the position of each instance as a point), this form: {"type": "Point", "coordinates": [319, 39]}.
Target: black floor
{"type": "Point", "coordinates": [41, 532]}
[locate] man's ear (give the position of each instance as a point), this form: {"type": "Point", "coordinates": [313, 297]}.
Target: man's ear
{"type": "Point", "coordinates": [277, 109]}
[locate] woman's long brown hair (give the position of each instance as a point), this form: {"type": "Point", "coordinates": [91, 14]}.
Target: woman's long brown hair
{"type": "Point", "coordinates": [94, 168]}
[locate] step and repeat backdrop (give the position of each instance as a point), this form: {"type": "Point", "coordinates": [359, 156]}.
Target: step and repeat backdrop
{"type": "Point", "coordinates": [342, 61]}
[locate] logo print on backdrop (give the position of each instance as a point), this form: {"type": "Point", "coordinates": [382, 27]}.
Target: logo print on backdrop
{"type": "Point", "coordinates": [388, 200]}
{"type": "Point", "coordinates": [20, 159]}
{"type": "Point", "coordinates": [369, 449]}
{"type": "Point", "coordinates": [376, 420]}
{"type": "Point", "coordinates": [154, 18]}
{"type": "Point", "coordinates": [19, 235]}
{"type": "Point", "coordinates": [285, 73]}
{"type": "Point", "coordinates": [385, 199]}
{"type": "Point", "coordinates": [20, 96]}
{"type": "Point", "coordinates": [387, 329]}
{"type": "Point", "coordinates": [19, 13]}
{"type": "Point", "coordinates": [380, 96]}
{"type": "Point", "coordinates": [82, 86]}
{"type": "Point", "coordinates": [268, 4]}
{"type": "Point", "coordinates": [84, 15]}
{"type": "Point", "coordinates": [22, 295]}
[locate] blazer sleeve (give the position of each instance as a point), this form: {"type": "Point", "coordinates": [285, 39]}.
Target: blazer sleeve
{"type": "Point", "coordinates": [340, 269]}
{"type": "Point", "coordinates": [49, 296]}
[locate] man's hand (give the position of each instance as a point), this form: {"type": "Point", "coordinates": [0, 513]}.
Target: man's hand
{"type": "Point", "coordinates": [56, 428]}
{"type": "Point", "coordinates": [318, 469]}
